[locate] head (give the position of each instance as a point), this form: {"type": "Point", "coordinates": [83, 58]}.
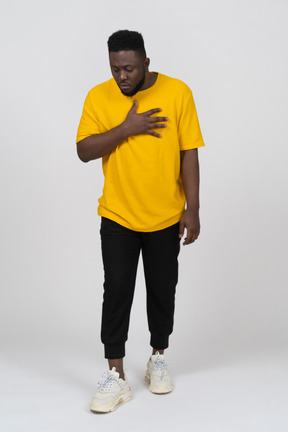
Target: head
{"type": "Point", "coordinates": [128, 61]}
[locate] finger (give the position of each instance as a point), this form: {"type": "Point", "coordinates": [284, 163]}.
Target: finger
{"type": "Point", "coordinates": [194, 237]}
{"type": "Point", "coordinates": [155, 126]}
{"type": "Point", "coordinates": [188, 238]}
{"type": "Point", "coordinates": [152, 111]}
{"type": "Point", "coordinates": [134, 106]}
{"type": "Point", "coordinates": [154, 134]}
{"type": "Point", "coordinates": [181, 229]}
{"type": "Point", "coordinates": [158, 119]}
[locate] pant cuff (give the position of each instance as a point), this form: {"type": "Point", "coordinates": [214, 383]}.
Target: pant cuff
{"type": "Point", "coordinates": [114, 351]}
{"type": "Point", "coordinates": [159, 341]}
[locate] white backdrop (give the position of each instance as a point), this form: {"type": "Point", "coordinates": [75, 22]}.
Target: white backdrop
{"type": "Point", "coordinates": [232, 292]}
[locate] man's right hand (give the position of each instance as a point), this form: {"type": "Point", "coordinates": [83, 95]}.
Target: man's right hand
{"type": "Point", "coordinates": [98, 145]}
{"type": "Point", "coordinates": [143, 123]}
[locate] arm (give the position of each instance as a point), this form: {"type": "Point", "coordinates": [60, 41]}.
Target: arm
{"type": "Point", "coordinates": [98, 145]}
{"type": "Point", "coordinates": [190, 177]}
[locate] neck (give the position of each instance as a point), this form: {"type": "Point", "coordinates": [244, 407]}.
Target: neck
{"type": "Point", "coordinates": [150, 79]}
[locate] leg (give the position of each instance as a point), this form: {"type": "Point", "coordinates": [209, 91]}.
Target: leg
{"type": "Point", "coordinates": [154, 350]}
{"type": "Point", "coordinates": [120, 253]}
{"type": "Point", "coordinates": [160, 259]}
{"type": "Point", "coordinates": [118, 364]}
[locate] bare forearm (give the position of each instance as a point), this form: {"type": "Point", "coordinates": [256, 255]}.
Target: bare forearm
{"type": "Point", "coordinates": [98, 145]}
{"type": "Point", "coordinates": [190, 178]}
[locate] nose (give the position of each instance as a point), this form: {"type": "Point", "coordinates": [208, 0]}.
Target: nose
{"type": "Point", "coordinates": [123, 75]}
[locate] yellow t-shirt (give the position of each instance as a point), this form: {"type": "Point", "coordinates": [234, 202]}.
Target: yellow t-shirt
{"type": "Point", "coordinates": [143, 189]}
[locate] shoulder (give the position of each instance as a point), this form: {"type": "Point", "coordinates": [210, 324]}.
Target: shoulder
{"type": "Point", "coordinates": [101, 90]}
{"type": "Point", "coordinates": [179, 86]}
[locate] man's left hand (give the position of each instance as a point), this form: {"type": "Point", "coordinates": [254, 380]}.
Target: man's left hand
{"type": "Point", "coordinates": [190, 221]}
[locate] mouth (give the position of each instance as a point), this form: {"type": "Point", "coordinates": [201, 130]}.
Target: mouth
{"type": "Point", "coordinates": [124, 86]}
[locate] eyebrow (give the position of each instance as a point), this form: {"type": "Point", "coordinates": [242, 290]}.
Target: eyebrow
{"type": "Point", "coordinates": [128, 65]}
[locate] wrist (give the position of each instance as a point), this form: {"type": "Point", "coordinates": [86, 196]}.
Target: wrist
{"type": "Point", "coordinates": [192, 209]}
{"type": "Point", "coordinates": [123, 131]}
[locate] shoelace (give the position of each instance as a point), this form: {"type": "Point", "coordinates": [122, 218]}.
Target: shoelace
{"type": "Point", "coordinates": [160, 366]}
{"type": "Point", "coordinates": [106, 382]}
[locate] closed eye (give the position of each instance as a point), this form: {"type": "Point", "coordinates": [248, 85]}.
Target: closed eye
{"type": "Point", "coordinates": [115, 70]}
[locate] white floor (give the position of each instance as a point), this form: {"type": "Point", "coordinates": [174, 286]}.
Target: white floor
{"type": "Point", "coordinates": [48, 388]}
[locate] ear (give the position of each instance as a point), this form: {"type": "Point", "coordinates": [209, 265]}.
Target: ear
{"type": "Point", "coordinates": [146, 63]}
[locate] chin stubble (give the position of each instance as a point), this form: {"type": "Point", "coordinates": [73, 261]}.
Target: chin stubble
{"type": "Point", "coordinates": [136, 88]}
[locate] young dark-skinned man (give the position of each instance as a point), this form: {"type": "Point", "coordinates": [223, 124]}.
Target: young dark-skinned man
{"type": "Point", "coordinates": [140, 160]}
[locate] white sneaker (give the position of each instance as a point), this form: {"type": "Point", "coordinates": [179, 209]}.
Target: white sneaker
{"type": "Point", "coordinates": [111, 391]}
{"type": "Point", "coordinates": [157, 374]}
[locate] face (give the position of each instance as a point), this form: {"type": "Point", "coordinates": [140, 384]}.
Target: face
{"type": "Point", "coordinates": [128, 69]}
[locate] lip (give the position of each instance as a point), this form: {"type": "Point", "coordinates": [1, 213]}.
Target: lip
{"type": "Point", "coordinates": [124, 86]}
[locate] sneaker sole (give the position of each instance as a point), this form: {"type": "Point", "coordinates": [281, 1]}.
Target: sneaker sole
{"type": "Point", "coordinates": [122, 399]}
{"type": "Point", "coordinates": [157, 390]}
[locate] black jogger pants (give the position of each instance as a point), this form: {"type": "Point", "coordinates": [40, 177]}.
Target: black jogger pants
{"type": "Point", "coordinates": [120, 252]}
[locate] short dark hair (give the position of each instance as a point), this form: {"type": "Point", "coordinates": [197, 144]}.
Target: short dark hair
{"type": "Point", "coordinates": [126, 40]}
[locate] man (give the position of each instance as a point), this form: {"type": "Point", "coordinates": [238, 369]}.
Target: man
{"type": "Point", "coordinates": [144, 125]}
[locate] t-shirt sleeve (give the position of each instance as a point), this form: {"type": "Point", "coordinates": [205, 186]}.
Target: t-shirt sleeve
{"type": "Point", "coordinates": [189, 131]}
{"type": "Point", "coordinates": [88, 123]}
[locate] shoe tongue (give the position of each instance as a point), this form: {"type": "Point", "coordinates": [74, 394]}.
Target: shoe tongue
{"type": "Point", "coordinates": [157, 355]}
{"type": "Point", "coordinates": [114, 373]}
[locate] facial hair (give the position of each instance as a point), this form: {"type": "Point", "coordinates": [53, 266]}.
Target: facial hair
{"type": "Point", "coordinates": [136, 88]}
